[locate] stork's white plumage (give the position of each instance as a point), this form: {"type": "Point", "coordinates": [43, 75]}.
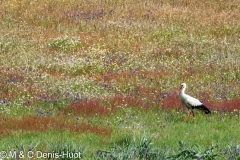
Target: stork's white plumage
{"type": "Point", "coordinates": [190, 102]}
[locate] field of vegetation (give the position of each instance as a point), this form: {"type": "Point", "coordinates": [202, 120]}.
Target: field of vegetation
{"type": "Point", "coordinates": [100, 77]}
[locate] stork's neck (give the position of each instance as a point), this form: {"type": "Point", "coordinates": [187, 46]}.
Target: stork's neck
{"type": "Point", "coordinates": [182, 92]}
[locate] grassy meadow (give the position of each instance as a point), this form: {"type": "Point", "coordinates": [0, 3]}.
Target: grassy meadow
{"type": "Point", "coordinates": [101, 77]}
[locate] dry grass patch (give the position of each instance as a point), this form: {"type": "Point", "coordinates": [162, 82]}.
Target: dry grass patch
{"type": "Point", "coordinates": [140, 97]}
{"type": "Point", "coordinates": [229, 105]}
{"type": "Point", "coordinates": [90, 108]}
{"type": "Point", "coordinates": [172, 102]}
{"type": "Point", "coordinates": [28, 123]}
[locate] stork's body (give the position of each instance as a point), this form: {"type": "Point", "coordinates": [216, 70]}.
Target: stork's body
{"type": "Point", "coordinates": [191, 102]}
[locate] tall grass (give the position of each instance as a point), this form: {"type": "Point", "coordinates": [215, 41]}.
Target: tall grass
{"type": "Point", "coordinates": [144, 150]}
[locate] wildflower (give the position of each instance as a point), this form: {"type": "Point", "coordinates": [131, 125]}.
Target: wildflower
{"type": "Point", "coordinates": [135, 153]}
{"type": "Point", "coordinates": [225, 152]}
{"type": "Point", "coordinates": [40, 111]}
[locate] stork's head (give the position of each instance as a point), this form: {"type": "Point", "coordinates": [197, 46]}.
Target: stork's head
{"type": "Point", "coordinates": [183, 85]}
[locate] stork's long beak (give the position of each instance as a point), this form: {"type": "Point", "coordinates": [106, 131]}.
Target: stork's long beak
{"type": "Point", "coordinates": [179, 88]}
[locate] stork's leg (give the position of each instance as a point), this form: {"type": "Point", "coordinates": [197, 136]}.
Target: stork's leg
{"type": "Point", "coordinates": [189, 116]}
{"type": "Point", "coordinates": [193, 113]}
{"type": "Point", "coordinates": [194, 118]}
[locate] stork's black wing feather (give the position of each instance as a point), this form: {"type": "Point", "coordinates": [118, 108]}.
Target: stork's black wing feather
{"type": "Point", "coordinates": [202, 107]}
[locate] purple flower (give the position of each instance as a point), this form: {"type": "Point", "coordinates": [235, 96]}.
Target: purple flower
{"type": "Point", "coordinates": [40, 111]}
{"type": "Point", "coordinates": [135, 153]}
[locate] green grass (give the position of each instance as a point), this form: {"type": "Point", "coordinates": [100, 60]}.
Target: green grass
{"type": "Point", "coordinates": [119, 63]}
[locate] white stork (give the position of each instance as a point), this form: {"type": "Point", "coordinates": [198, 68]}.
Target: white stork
{"type": "Point", "coordinates": [190, 102]}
